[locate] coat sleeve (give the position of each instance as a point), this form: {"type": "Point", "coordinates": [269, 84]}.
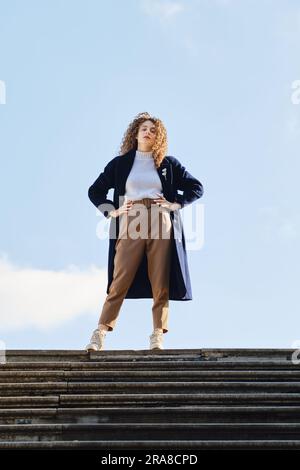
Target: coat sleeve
{"type": "Point", "coordinates": [192, 188]}
{"type": "Point", "coordinates": [98, 190]}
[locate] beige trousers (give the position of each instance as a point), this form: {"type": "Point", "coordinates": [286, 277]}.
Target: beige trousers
{"type": "Point", "coordinates": [145, 228]}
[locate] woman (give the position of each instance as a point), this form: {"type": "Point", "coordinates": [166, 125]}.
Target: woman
{"type": "Point", "coordinates": [147, 254]}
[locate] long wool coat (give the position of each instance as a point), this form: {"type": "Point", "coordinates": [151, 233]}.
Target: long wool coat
{"type": "Point", "coordinates": [173, 177]}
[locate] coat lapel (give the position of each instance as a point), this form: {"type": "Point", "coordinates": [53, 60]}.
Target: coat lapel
{"type": "Point", "coordinates": [164, 174]}
{"type": "Point", "coordinates": [124, 168]}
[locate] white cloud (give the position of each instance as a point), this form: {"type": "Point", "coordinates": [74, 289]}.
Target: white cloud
{"type": "Point", "coordinates": [2, 92]}
{"type": "Point", "coordinates": [164, 10]}
{"type": "Point", "coordinates": [43, 299]}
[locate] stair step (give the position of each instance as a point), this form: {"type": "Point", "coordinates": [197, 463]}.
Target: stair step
{"type": "Point", "coordinates": [175, 398]}
{"type": "Point", "coordinates": [187, 414]}
{"type": "Point", "coordinates": [20, 376]}
{"type": "Point", "coordinates": [32, 401]}
{"type": "Point", "coordinates": [151, 399]}
{"type": "Point", "coordinates": [146, 399]}
{"type": "Point", "coordinates": [149, 365]}
{"type": "Point", "coordinates": [163, 355]}
{"type": "Point", "coordinates": [156, 444]}
{"type": "Point", "coordinates": [146, 431]}
{"type": "Point", "coordinates": [38, 388]}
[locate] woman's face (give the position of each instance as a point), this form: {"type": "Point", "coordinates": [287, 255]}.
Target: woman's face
{"type": "Point", "coordinates": [146, 136]}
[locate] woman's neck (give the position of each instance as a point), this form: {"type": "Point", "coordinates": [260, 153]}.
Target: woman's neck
{"type": "Point", "coordinates": [144, 148]}
{"type": "Point", "coordinates": [143, 154]}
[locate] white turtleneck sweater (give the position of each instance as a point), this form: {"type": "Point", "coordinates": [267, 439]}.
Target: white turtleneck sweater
{"type": "Point", "coordinates": [143, 179]}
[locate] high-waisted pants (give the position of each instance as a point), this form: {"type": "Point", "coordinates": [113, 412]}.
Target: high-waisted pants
{"type": "Point", "coordinates": [146, 227]}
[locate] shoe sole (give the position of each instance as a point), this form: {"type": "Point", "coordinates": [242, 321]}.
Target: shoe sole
{"type": "Point", "coordinates": [91, 348]}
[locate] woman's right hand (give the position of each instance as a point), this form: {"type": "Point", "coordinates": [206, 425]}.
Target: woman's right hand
{"type": "Point", "coordinates": [123, 209]}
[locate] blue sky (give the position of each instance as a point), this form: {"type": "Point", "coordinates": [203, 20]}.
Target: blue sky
{"type": "Point", "coordinates": [220, 75]}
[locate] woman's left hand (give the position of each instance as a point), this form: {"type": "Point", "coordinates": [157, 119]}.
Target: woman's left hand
{"type": "Point", "coordinates": [172, 206]}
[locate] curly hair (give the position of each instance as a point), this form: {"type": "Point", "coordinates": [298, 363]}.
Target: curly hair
{"type": "Point", "coordinates": [160, 146]}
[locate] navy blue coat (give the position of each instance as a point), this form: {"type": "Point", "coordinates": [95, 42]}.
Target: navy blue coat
{"type": "Point", "coordinates": [174, 178]}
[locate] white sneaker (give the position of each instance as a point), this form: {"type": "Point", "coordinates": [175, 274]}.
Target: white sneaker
{"type": "Point", "coordinates": [97, 341]}
{"type": "Point", "coordinates": [156, 340]}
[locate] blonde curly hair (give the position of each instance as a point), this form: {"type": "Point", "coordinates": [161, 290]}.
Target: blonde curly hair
{"type": "Point", "coordinates": [160, 146]}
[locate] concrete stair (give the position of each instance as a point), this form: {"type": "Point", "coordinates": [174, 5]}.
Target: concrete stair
{"type": "Point", "coordinates": [163, 399]}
